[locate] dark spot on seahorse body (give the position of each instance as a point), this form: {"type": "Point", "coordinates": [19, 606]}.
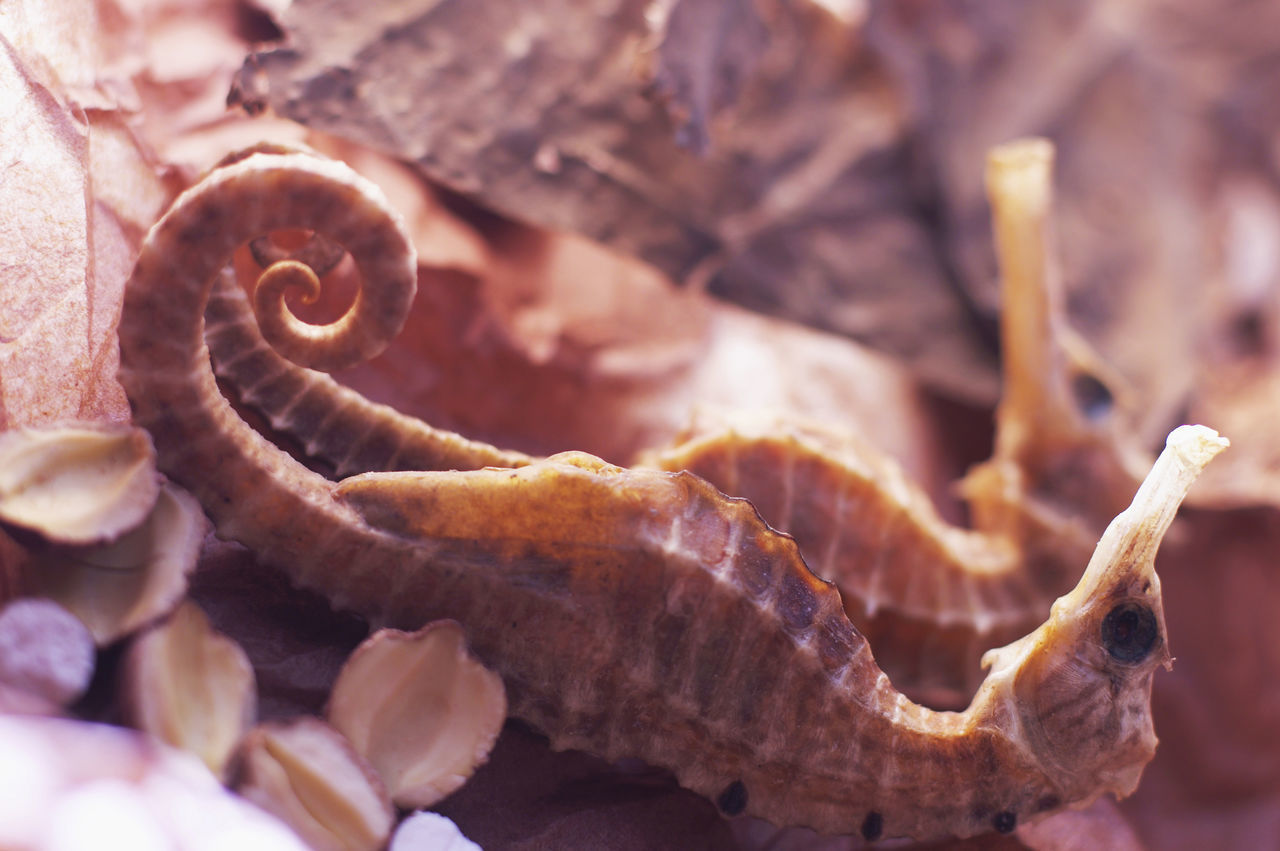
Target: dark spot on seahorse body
{"type": "Point", "coordinates": [1048, 802]}
{"type": "Point", "coordinates": [733, 800]}
{"type": "Point", "coordinates": [872, 826]}
{"type": "Point", "coordinates": [1129, 632]}
{"type": "Point", "coordinates": [1005, 821]}
{"type": "Point", "coordinates": [797, 602]}
{"type": "Point", "coordinates": [1093, 398]}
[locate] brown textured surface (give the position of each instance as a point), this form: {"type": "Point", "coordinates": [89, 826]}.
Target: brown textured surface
{"type": "Point", "coordinates": [932, 596]}
{"type": "Point", "coordinates": [335, 424]}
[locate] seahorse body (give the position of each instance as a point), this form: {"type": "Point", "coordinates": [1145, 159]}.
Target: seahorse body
{"type": "Point", "coordinates": [930, 596]}
{"type": "Point", "coordinates": [636, 612]}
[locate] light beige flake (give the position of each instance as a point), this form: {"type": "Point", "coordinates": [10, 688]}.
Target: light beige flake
{"type": "Point", "coordinates": [118, 588]}
{"type": "Point", "coordinates": [305, 773]}
{"type": "Point", "coordinates": [190, 686]}
{"type": "Point", "coordinates": [77, 484]}
{"type": "Point", "coordinates": [420, 709]}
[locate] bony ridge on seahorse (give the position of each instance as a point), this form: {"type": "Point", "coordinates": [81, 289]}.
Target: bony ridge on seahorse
{"type": "Point", "coordinates": [636, 612]}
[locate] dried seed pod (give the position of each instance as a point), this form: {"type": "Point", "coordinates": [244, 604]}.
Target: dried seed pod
{"type": "Point", "coordinates": [190, 686]}
{"type": "Point", "coordinates": [309, 776]}
{"type": "Point", "coordinates": [120, 587]}
{"type": "Point", "coordinates": [420, 709]}
{"type": "Point", "coordinates": [45, 650]}
{"type": "Point", "coordinates": [77, 484]}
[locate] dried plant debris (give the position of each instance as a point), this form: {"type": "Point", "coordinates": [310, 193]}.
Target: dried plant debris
{"type": "Point", "coordinates": [308, 775]}
{"type": "Point", "coordinates": [77, 484]}
{"type": "Point", "coordinates": [71, 785]}
{"type": "Point", "coordinates": [120, 587]}
{"type": "Point", "coordinates": [420, 709]}
{"type": "Point", "coordinates": [190, 687]}
{"type": "Point", "coordinates": [45, 650]}
{"type": "Point", "coordinates": [754, 146]}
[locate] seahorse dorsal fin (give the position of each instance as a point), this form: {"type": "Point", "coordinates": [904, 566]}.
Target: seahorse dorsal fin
{"type": "Point", "coordinates": [570, 496]}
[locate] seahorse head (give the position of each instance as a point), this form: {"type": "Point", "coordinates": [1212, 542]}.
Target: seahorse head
{"type": "Point", "coordinates": [1076, 693]}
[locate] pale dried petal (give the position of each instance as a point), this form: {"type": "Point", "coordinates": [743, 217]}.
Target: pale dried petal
{"type": "Point", "coordinates": [309, 776]}
{"type": "Point", "coordinates": [420, 708]}
{"type": "Point", "coordinates": [18, 701]}
{"type": "Point", "coordinates": [190, 686]}
{"type": "Point", "coordinates": [77, 484]}
{"type": "Point", "coordinates": [45, 651]}
{"type": "Point", "coordinates": [427, 831]}
{"type": "Point", "coordinates": [120, 587]}
{"type": "Point", "coordinates": [59, 779]}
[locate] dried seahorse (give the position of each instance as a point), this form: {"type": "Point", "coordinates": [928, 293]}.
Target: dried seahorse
{"type": "Point", "coordinates": [935, 596]}
{"type": "Point", "coordinates": [637, 612]}
{"type": "Point", "coordinates": [932, 595]}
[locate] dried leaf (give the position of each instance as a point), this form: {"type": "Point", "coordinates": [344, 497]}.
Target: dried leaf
{"type": "Point", "coordinates": [607, 384]}
{"type": "Point", "coordinates": [296, 641]}
{"type": "Point", "coordinates": [1086, 76]}
{"type": "Point", "coordinates": [530, 797]}
{"type": "Point", "coordinates": [420, 709]}
{"type": "Point", "coordinates": [63, 252]}
{"type": "Point", "coordinates": [190, 687]}
{"type": "Point", "coordinates": [800, 204]}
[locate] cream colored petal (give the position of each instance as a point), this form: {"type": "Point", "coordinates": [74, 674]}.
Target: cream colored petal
{"type": "Point", "coordinates": [305, 773]}
{"type": "Point", "coordinates": [120, 587]}
{"type": "Point", "coordinates": [420, 709]}
{"type": "Point", "coordinates": [59, 778]}
{"type": "Point", "coordinates": [77, 484]}
{"type": "Point", "coordinates": [190, 686]}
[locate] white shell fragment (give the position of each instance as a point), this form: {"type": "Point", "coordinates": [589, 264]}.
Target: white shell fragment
{"type": "Point", "coordinates": [305, 773]}
{"type": "Point", "coordinates": [118, 588]}
{"type": "Point", "coordinates": [428, 831]}
{"type": "Point", "coordinates": [45, 651]}
{"type": "Point", "coordinates": [77, 484]}
{"type": "Point", "coordinates": [420, 709]}
{"type": "Point", "coordinates": [191, 687]}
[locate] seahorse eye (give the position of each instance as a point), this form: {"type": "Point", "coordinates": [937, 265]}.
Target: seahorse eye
{"type": "Point", "coordinates": [1129, 632]}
